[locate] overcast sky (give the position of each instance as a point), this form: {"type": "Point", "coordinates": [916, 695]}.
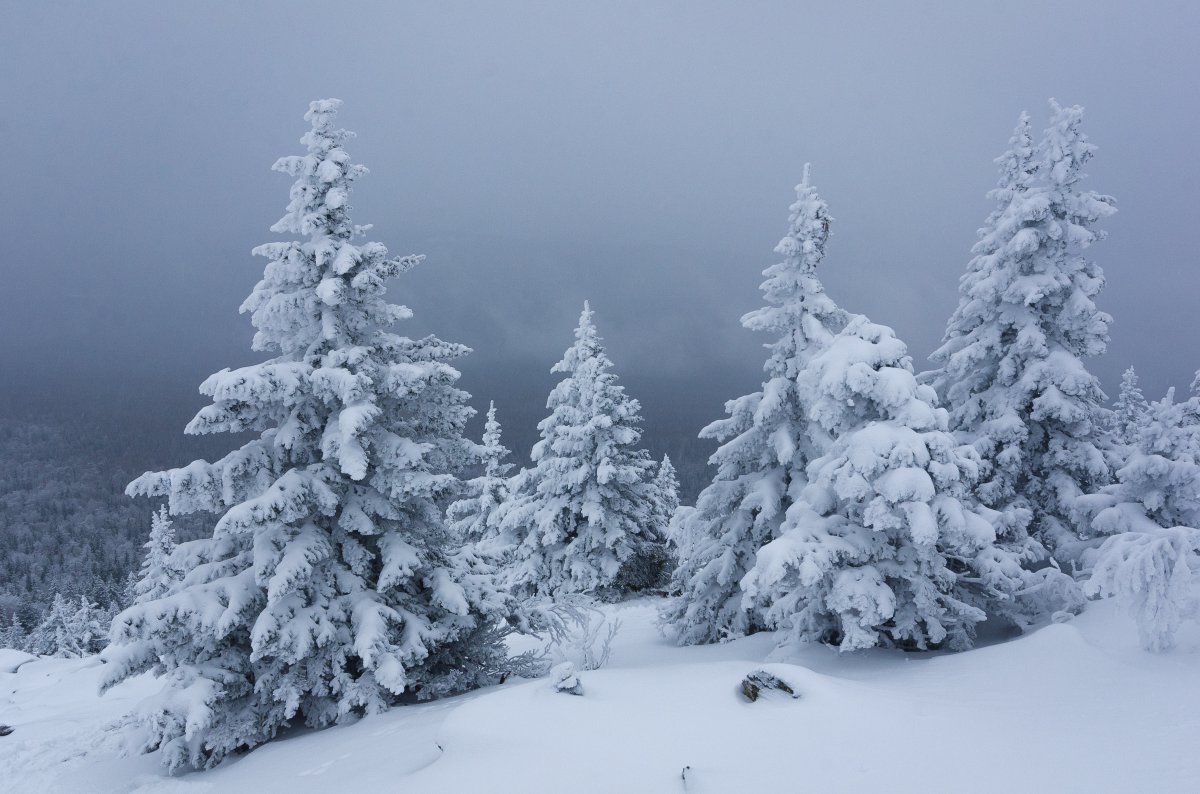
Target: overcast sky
{"type": "Point", "coordinates": [641, 155]}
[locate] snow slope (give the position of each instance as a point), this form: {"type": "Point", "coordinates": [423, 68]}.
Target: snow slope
{"type": "Point", "coordinates": [1071, 707]}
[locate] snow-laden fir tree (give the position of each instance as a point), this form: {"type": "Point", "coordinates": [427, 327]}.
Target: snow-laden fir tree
{"type": "Point", "coordinates": [1151, 561]}
{"type": "Point", "coordinates": [1130, 409]}
{"type": "Point", "coordinates": [469, 515]}
{"type": "Point", "coordinates": [54, 636]}
{"type": "Point", "coordinates": [765, 441]}
{"type": "Point", "coordinates": [159, 574]}
{"type": "Point", "coordinates": [71, 628]}
{"type": "Point", "coordinates": [578, 520]}
{"type": "Point", "coordinates": [885, 544]}
{"type": "Point", "coordinates": [89, 626]}
{"type": "Point", "coordinates": [664, 493]}
{"type": "Point", "coordinates": [331, 585]}
{"type": "Point", "coordinates": [13, 634]}
{"type": "Point", "coordinates": [1011, 368]}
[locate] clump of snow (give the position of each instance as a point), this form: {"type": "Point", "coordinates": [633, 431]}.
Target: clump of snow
{"type": "Point", "coordinates": [565, 678]}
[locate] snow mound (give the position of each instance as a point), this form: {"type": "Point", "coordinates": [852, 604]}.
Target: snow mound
{"type": "Point", "coordinates": [10, 659]}
{"type": "Point", "coordinates": [1071, 707]}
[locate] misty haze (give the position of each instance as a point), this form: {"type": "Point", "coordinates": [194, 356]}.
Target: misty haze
{"type": "Point", "coordinates": [599, 397]}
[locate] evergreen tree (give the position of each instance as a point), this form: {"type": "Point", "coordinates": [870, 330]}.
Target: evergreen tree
{"type": "Point", "coordinates": [13, 635]}
{"type": "Point", "coordinates": [469, 515]}
{"type": "Point", "coordinates": [330, 585]}
{"type": "Point", "coordinates": [57, 634]}
{"type": "Point", "coordinates": [765, 441]}
{"type": "Point", "coordinates": [159, 575]}
{"type": "Point", "coordinates": [665, 497]}
{"type": "Point", "coordinates": [1011, 368]}
{"type": "Point", "coordinates": [1130, 409]}
{"type": "Point", "coordinates": [885, 545]}
{"type": "Point", "coordinates": [88, 628]}
{"type": "Point", "coordinates": [579, 517]}
{"type": "Point", "coordinates": [128, 595]}
{"type": "Point", "coordinates": [1151, 561]}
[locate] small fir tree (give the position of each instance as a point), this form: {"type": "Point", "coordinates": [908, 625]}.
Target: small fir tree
{"type": "Point", "coordinates": [57, 634]}
{"type": "Point", "coordinates": [579, 517]}
{"type": "Point", "coordinates": [159, 574]}
{"type": "Point", "coordinates": [469, 515]}
{"type": "Point", "coordinates": [88, 628]}
{"type": "Point", "coordinates": [665, 497]}
{"type": "Point", "coordinates": [13, 635]}
{"type": "Point", "coordinates": [1130, 409]}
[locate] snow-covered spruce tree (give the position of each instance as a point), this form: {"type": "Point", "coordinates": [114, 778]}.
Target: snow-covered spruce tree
{"type": "Point", "coordinates": [664, 497]}
{"type": "Point", "coordinates": [70, 629]}
{"type": "Point", "coordinates": [330, 585]}
{"type": "Point", "coordinates": [159, 574]}
{"type": "Point", "coordinates": [13, 634]}
{"type": "Point", "coordinates": [1011, 368]}
{"type": "Point", "coordinates": [53, 637]}
{"type": "Point", "coordinates": [885, 545]}
{"type": "Point", "coordinates": [1130, 409]}
{"type": "Point", "coordinates": [89, 626]}
{"type": "Point", "coordinates": [579, 518]}
{"type": "Point", "coordinates": [765, 441]}
{"type": "Point", "coordinates": [1151, 561]}
{"type": "Point", "coordinates": [469, 515]}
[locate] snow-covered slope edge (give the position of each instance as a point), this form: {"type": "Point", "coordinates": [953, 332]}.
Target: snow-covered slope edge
{"type": "Point", "coordinates": [1072, 707]}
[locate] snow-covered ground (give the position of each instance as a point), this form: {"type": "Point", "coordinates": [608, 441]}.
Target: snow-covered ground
{"type": "Point", "coordinates": [1071, 707]}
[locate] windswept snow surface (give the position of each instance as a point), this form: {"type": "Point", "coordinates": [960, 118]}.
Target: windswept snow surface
{"type": "Point", "coordinates": [1073, 707]}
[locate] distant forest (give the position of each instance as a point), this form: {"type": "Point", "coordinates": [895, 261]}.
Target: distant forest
{"type": "Point", "coordinates": [66, 525]}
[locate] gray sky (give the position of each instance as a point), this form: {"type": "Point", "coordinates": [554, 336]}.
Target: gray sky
{"type": "Point", "coordinates": [641, 155]}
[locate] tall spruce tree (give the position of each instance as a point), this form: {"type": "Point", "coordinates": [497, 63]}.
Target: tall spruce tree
{"type": "Point", "coordinates": [578, 519]}
{"type": "Point", "coordinates": [765, 441]}
{"type": "Point", "coordinates": [330, 585]}
{"type": "Point", "coordinates": [1011, 368]}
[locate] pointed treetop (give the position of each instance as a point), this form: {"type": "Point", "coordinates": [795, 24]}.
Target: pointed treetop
{"type": "Point", "coordinates": [796, 303]}
{"type": "Point", "coordinates": [587, 346]}
{"type": "Point", "coordinates": [1018, 166]}
{"type": "Point", "coordinates": [494, 451]}
{"type": "Point", "coordinates": [808, 227]}
{"type": "Point", "coordinates": [320, 197]}
{"type": "Point", "coordinates": [1066, 146]}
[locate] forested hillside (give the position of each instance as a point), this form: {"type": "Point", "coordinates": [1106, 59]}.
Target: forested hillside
{"type": "Point", "coordinates": [65, 523]}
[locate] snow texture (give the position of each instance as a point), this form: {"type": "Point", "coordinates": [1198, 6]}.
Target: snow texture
{"type": "Point", "coordinates": [1122, 720]}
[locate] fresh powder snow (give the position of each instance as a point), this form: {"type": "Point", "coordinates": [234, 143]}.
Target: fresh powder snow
{"type": "Point", "coordinates": [1076, 706]}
